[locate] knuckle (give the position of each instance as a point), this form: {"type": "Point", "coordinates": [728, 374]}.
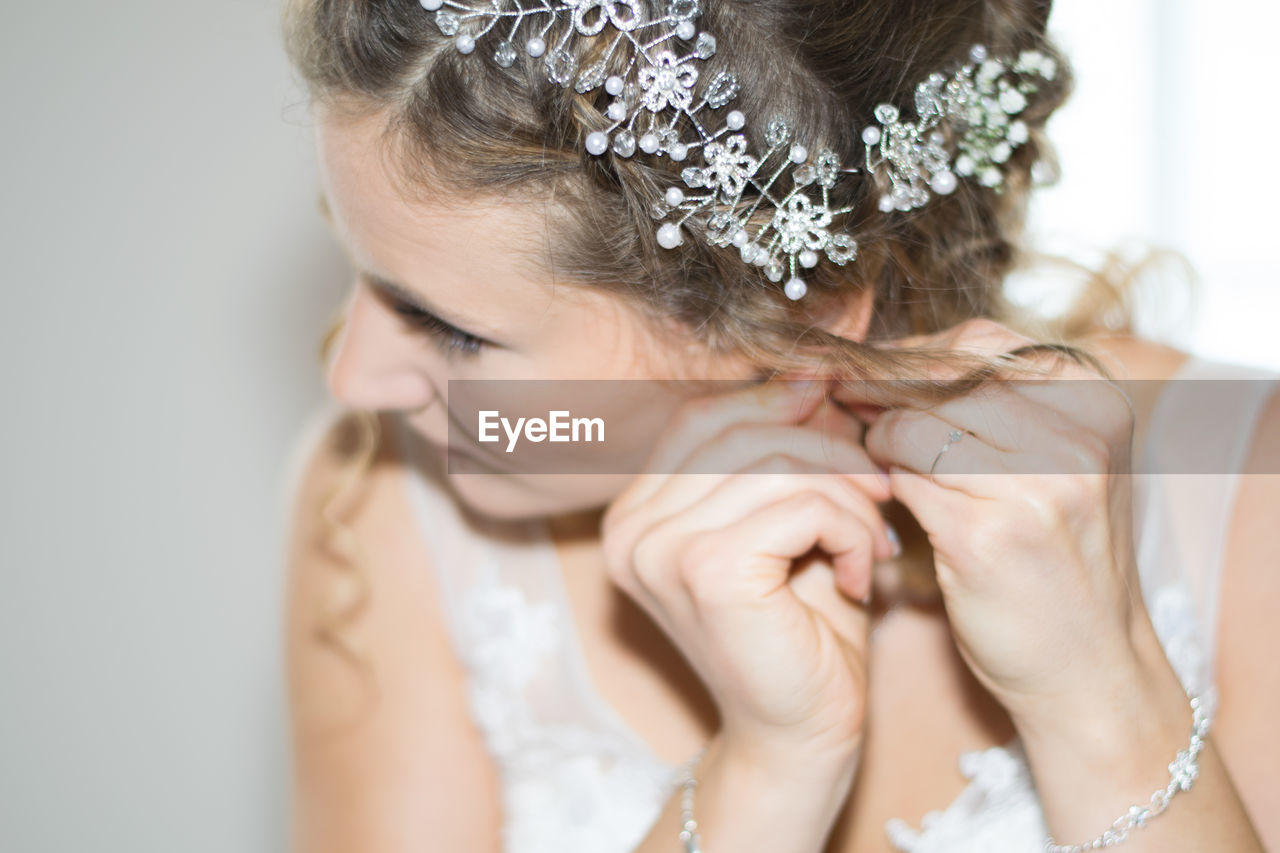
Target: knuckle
{"type": "Point", "coordinates": [618, 551]}
{"type": "Point", "coordinates": [813, 501]}
{"type": "Point", "coordinates": [775, 463]}
{"type": "Point", "coordinates": [612, 519]}
{"type": "Point", "coordinates": [985, 329]}
{"type": "Point", "coordinates": [982, 326]}
{"type": "Point", "coordinates": [691, 412]}
{"type": "Point", "coordinates": [991, 527]}
{"type": "Point", "coordinates": [1095, 452]}
{"type": "Point", "coordinates": [1085, 455]}
{"type": "Point", "coordinates": [1068, 493]}
{"type": "Point", "coordinates": [698, 567]}
{"type": "Point", "coordinates": [737, 440]}
{"type": "Point", "coordinates": [648, 557]}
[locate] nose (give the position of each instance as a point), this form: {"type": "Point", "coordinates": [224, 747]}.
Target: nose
{"type": "Point", "coordinates": [375, 363]}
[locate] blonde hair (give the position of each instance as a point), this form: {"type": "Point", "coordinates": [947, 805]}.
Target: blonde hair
{"type": "Point", "coordinates": [465, 125]}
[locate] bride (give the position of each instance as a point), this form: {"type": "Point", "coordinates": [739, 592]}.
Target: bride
{"type": "Point", "coordinates": [809, 620]}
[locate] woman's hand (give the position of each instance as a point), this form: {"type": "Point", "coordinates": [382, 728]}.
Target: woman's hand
{"type": "Point", "coordinates": [710, 556]}
{"type": "Point", "coordinates": [1029, 515]}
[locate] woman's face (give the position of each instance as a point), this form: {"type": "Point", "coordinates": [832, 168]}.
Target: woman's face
{"type": "Point", "coordinates": [453, 290]}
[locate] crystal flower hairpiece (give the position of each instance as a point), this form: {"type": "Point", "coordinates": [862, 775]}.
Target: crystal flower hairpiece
{"type": "Point", "coordinates": [729, 193]}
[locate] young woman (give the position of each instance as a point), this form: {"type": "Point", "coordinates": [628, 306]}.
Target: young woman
{"type": "Point", "coordinates": [810, 599]}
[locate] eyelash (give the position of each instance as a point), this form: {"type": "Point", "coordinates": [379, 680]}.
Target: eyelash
{"type": "Point", "coordinates": [452, 338]}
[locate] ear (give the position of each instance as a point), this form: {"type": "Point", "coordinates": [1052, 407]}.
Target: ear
{"type": "Point", "coordinates": [849, 315]}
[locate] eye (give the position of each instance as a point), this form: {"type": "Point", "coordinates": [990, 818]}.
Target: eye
{"type": "Point", "coordinates": [449, 336]}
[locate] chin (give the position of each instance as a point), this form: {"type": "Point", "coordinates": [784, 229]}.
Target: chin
{"type": "Point", "coordinates": [486, 488]}
{"type": "Point", "coordinates": [514, 497]}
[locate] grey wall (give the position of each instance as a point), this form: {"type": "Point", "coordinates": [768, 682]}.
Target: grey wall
{"type": "Point", "coordinates": [165, 282]}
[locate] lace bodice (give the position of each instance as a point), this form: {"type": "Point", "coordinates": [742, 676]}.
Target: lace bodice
{"type": "Point", "coordinates": [576, 778]}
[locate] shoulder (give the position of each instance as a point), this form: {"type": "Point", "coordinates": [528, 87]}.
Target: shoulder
{"type": "Point", "coordinates": [1248, 631]}
{"type": "Point", "coordinates": [384, 750]}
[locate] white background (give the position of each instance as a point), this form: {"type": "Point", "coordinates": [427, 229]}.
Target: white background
{"type": "Point", "coordinates": [167, 282]}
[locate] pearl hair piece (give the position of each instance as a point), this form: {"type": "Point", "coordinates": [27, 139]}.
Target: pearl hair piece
{"type": "Point", "coordinates": [665, 104]}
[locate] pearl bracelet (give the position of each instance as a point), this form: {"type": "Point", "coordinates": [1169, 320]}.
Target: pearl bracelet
{"type": "Point", "coordinates": [689, 826]}
{"type": "Point", "coordinates": [1182, 772]}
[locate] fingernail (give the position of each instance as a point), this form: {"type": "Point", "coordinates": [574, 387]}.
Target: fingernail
{"type": "Point", "coordinates": [894, 539]}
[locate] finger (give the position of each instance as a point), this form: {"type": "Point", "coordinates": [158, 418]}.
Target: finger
{"type": "Point", "coordinates": [1097, 405]}
{"type": "Point", "coordinates": [938, 508]}
{"type": "Point", "coordinates": [997, 413]}
{"type": "Point", "coordinates": [1028, 439]}
{"type": "Point", "coordinates": [741, 445]}
{"type": "Point", "coordinates": [920, 442]}
{"type": "Point", "coordinates": [777, 402]}
{"type": "Point", "coordinates": [767, 482]}
{"type": "Point", "coordinates": [826, 438]}
{"type": "Point", "coordinates": [759, 548]}
{"type": "Point", "coordinates": [835, 597]}
{"type": "Point", "coordinates": [679, 493]}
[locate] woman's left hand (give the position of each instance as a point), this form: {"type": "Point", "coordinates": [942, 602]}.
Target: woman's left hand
{"type": "Point", "coordinates": [1029, 515]}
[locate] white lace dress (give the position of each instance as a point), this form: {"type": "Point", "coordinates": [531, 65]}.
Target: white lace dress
{"type": "Point", "coordinates": [577, 779]}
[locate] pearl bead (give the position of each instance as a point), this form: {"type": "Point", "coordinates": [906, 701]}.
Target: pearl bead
{"type": "Point", "coordinates": [669, 236]}
{"type": "Point", "coordinates": [675, 196]}
{"type": "Point", "coordinates": [613, 85]}
{"type": "Point", "coordinates": [886, 203]}
{"type": "Point", "coordinates": [809, 258]}
{"type": "Point", "coordinates": [465, 44]}
{"type": "Point", "coordinates": [597, 142]}
{"type": "Point", "coordinates": [799, 153]}
{"type": "Point", "coordinates": [735, 120]}
{"type": "Point", "coordinates": [679, 151]}
{"type": "Point", "coordinates": [649, 143]}
{"type": "Point", "coordinates": [794, 288]}
{"type": "Point", "coordinates": [943, 183]}
{"type": "Point", "coordinates": [616, 111]}
{"type": "Point", "coordinates": [432, 5]}
{"type": "Point", "coordinates": [686, 30]}
{"type": "Point", "coordinates": [740, 237]}
{"type": "Point", "coordinates": [536, 46]}
{"type": "Point", "coordinates": [871, 135]}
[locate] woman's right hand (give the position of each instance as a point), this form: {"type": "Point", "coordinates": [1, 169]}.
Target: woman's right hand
{"type": "Point", "coordinates": [710, 556]}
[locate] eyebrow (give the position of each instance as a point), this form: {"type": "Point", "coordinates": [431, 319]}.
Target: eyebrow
{"type": "Point", "coordinates": [415, 302]}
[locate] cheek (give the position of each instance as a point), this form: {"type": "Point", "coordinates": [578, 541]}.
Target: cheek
{"type": "Point", "coordinates": [598, 338]}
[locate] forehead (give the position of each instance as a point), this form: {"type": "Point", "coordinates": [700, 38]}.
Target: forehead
{"type": "Point", "coordinates": [414, 235]}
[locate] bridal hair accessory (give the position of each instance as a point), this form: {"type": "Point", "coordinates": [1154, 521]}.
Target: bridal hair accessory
{"type": "Point", "coordinates": [965, 126]}
{"type": "Point", "coordinates": [1182, 774]}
